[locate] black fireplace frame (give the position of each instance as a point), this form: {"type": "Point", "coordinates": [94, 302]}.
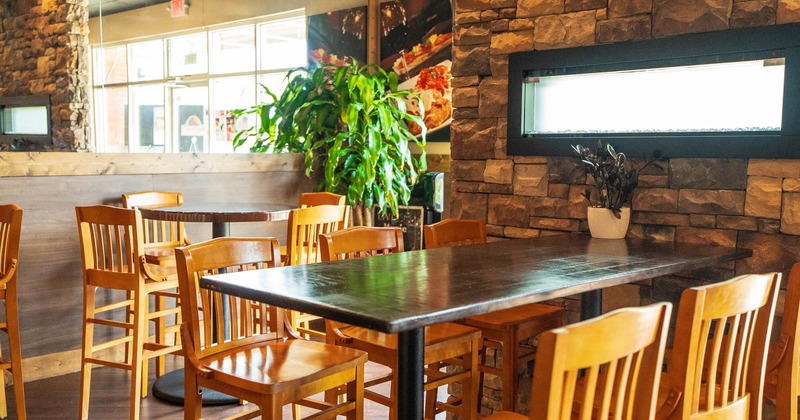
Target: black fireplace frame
{"type": "Point", "coordinates": [700, 48]}
{"type": "Point", "coordinates": [22, 141]}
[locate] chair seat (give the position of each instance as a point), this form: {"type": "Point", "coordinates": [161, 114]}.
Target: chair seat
{"type": "Point", "coordinates": [442, 341]}
{"type": "Point", "coordinates": [160, 254]}
{"type": "Point", "coordinates": [506, 415]}
{"type": "Point", "coordinates": [434, 334]}
{"type": "Point", "coordinates": [159, 273]}
{"type": "Point", "coordinates": [277, 366]}
{"type": "Point", "coordinates": [506, 318]}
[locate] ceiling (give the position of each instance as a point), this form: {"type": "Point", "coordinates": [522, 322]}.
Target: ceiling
{"type": "Point", "coordinates": [116, 6]}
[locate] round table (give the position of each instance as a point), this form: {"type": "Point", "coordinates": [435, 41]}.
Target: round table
{"type": "Point", "coordinates": [220, 215]}
{"type": "Point", "coordinates": [169, 387]}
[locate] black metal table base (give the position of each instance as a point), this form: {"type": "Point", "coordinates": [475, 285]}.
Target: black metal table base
{"type": "Point", "coordinates": [170, 388]}
{"type": "Point", "coordinates": [411, 355]}
{"type": "Point", "coordinates": [591, 304]}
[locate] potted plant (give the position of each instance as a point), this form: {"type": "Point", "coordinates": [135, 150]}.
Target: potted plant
{"type": "Point", "coordinates": [610, 197]}
{"type": "Point", "coordinates": [351, 123]}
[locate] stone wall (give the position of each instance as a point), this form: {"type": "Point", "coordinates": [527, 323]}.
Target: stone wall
{"type": "Point", "coordinates": [44, 51]}
{"type": "Point", "coordinates": [751, 203]}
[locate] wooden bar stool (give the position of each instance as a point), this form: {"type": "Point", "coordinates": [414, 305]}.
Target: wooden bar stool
{"type": "Point", "coordinates": [502, 330]}
{"type": "Point", "coordinates": [161, 237]}
{"type": "Point", "coordinates": [302, 238]}
{"type": "Point", "coordinates": [263, 361]}
{"type": "Point", "coordinates": [10, 229]}
{"type": "Point", "coordinates": [576, 378]}
{"type": "Point", "coordinates": [445, 344]}
{"type": "Point", "coordinates": [113, 260]}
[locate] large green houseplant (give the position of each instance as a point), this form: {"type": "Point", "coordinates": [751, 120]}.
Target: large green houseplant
{"type": "Point", "coordinates": [350, 122]}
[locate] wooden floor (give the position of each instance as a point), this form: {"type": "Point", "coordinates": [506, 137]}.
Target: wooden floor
{"type": "Point", "coordinates": [57, 398]}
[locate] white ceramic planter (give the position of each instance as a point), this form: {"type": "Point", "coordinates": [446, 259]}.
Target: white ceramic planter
{"type": "Point", "coordinates": [603, 224]}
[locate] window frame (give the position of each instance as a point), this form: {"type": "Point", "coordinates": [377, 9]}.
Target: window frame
{"type": "Point", "coordinates": [703, 48]}
{"type": "Point", "coordinates": [206, 79]}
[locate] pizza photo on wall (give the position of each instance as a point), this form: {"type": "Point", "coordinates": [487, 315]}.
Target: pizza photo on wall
{"type": "Point", "coordinates": [433, 94]}
{"type": "Point", "coordinates": [416, 43]}
{"type": "Point", "coordinates": [415, 34]}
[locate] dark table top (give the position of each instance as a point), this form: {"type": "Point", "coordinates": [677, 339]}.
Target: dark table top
{"type": "Point", "coordinates": [219, 212]}
{"type": "Point", "coordinates": [408, 290]}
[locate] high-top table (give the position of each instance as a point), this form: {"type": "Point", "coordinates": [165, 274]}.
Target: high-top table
{"type": "Point", "coordinates": [404, 292]}
{"type": "Point", "coordinates": [220, 215]}
{"type": "Point", "coordinates": [169, 387]}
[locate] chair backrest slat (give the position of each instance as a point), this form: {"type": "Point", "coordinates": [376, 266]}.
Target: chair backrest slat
{"type": "Point", "coordinates": [574, 378]}
{"type": "Point", "coordinates": [158, 232]}
{"type": "Point", "coordinates": [360, 241]}
{"type": "Point", "coordinates": [304, 227]}
{"type": "Point", "coordinates": [109, 239]}
{"type": "Point", "coordinates": [721, 339]}
{"type": "Point", "coordinates": [454, 232]}
{"type": "Point", "coordinates": [10, 232]}
{"type": "Point", "coordinates": [246, 321]}
{"type": "Point", "coordinates": [784, 358]}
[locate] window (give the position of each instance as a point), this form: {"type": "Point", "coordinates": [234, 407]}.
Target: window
{"type": "Point", "coordinates": [175, 94]}
{"type": "Point", "coordinates": [721, 94]}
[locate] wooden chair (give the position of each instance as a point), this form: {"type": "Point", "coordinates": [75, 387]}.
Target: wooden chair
{"type": "Point", "coordinates": [113, 259]}
{"type": "Point", "coordinates": [10, 229]}
{"type": "Point", "coordinates": [259, 362]}
{"type": "Point", "coordinates": [160, 240]}
{"type": "Point", "coordinates": [717, 365]}
{"type": "Point", "coordinates": [508, 330]}
{"type": "Point", "coordinates": [445, 343]}
{"type": "Point", "coordinates": [619, 378]}
{"type": "Point", "coordinates": [783, 361]}
{"type": "Point", "coordinates": [302, 236]}
{"type": "Point", "coordinates": [312, 199]}
{"type": "Point", "coordinates": [160, 236]}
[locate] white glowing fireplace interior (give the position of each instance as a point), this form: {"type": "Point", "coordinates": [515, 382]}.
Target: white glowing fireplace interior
{"type": "Point", "coordinates": [744, 96]}
{"type": "Point", "coordinates": [25, 119]}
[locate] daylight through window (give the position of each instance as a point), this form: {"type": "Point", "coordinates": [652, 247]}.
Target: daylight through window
{"type": "Point", "coordinates": [175, 94]}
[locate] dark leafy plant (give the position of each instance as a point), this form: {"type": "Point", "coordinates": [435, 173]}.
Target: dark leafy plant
{"type": "Point", "coordinates": [614, 177]}
{"type": "Point", "coordinates": [350, 122]}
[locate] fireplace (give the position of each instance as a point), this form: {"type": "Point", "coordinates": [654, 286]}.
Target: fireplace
{"type": "Point", "coordinates": [25, 120]}
{"type": "Point", "coordinates": [733, 93]}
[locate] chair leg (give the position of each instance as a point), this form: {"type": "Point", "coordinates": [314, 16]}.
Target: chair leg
{"type": "Point", "coordinates": [3, 402]}
{"type": "Point", "coordinates": [481, 375]}
{"type": "Point", "coordinates": [145, 373]}
{"type": "Point", "coordinates": [271, 408]}
{"type": "Point", "coordinates": [430, 398]}
{"type": "Point", "coordinates": [192, 395]}
{"type": "Point", "coordinates": [469, 401]}
{"type": "Point", "coordinates": [12, 321]}
{"type": "Point", "coordinates": [509, 371]}
{"type": "Point", "coordinates": [355, 392]}
{"type": "Point", "coordinates": [139, 335]}
{"type": "Point", "coordinates": [161, 334]}
{"type": "Point", "coordinates": [88, 339]}
{"type": "Point", "coordinates": [393, 393]}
